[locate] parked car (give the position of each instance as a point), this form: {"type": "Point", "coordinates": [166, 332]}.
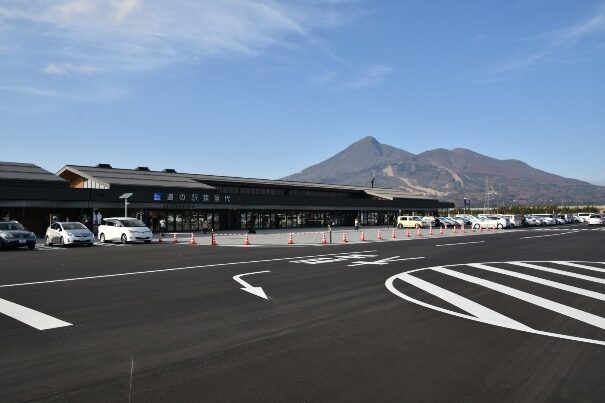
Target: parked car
{"type": "Point", "coordinates": [450, 222]}
{"type": "Point", "coordinates": [124, 229]}
{"type": "Point", "coordinates": [584, 216]}
{"type": "Point", "coordinates": [494, 222]}
{"type": "Point", "coordinates": [532, 221]}
{"type": "Point", "coordinates": [595, 219]}
{"type": "Point", "coordinates": [15, 235]}
{"type": "Point", "coordinates": [516, 220]}
{"type": "Point", "coordinates": [68, 233]}
{"type": "Point", "coordinates": [408, 221]}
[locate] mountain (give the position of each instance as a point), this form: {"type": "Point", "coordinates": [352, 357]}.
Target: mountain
{"type": "Point", "coordinates": [449, 175]}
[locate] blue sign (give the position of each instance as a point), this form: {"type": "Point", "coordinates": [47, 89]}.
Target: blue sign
{"type": "Point", "coordinates": [157, 196]}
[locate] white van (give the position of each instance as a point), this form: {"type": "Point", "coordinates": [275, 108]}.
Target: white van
{"type": "Point", "coordinates": [583, 216]}
{"type": "Point", "coordinates": [409, 221]}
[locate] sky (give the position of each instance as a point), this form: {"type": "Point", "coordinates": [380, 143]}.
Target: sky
{"type": "Point", "coordinates": [265, 89]}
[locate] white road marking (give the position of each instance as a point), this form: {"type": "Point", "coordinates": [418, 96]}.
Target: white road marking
{"type": "Point", "coordinates": [545, 236]}
{"type": "Point", "coordinates": [461, 243]}
{"type": "Point", "coordinates": [574, 313]}
{"type": "Point", "coordinates": [30, 317]}
{"type": "Point", "coordinates": [561, 272]}
{"type": "Point", "coordinates": [168, 270]}
{"type": "Point", "coordinates": [383, 262]}
{"type": "Point", "coordinates": [478, 312]}
{"type": "Point", "coordinates": [539, 280]}
{"type": "Point", "coordinates": [486, 316]}
{"type": "Point", "coordinates": [580, 266]}
{"type": "Point", "coordinates": [258, 291]}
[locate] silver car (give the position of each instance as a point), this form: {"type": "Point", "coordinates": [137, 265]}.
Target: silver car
{"type": "Point", "coordinates": [69, 233]}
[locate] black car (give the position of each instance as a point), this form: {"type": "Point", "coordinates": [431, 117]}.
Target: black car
{"type": "Point", "coordinates": [14, 235]}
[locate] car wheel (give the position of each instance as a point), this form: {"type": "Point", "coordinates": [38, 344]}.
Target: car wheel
{"type": "Point", "coordinates": [124, 239]}
{"type": "Point", "coordinates": [102, 238]}
{"type": "Point", "coordinates": [48, 242]}
{"type": "Point", "coordinates": [476, 226]}
{"type": "Point", "coordinates": [30, 247]}
{"type": "Point", "coordinates": [61, 243]}
{"type": "Point", "coordinates": [500, 226]}
{"type": "Point", "coordinates": [399, 226]}
{"type": "Point", "coordinates": [91, 244]}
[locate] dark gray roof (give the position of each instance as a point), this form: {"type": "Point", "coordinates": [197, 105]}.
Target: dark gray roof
{"type": "Point", "coordinates": [26, 172]}
{"type": "Point", "coordinates": [120, 176]}
{"type": "Point", "coordinates": [117, 176]}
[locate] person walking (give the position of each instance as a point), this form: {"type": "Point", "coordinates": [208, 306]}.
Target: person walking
{"type": "Point", "coordinates": [162, 225]}
{"type": "Point", "coordinates": [356, 224]}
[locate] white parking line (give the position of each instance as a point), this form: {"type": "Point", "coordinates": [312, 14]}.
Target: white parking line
{"type": "Point", "coordinates": [539, 280]}
{"type": "Point", "coordinates": [560, 272]}
{"type": "Point", "coordinates": [30, 317]}
{"type": "Point", "coordinates": [171, 269]}
{"type": "Point", "coordinates": [568, 311]}
{"type": "Point", "coordinates": [461, 243]}
{"type": "Point", "coordinates": [544, 236]}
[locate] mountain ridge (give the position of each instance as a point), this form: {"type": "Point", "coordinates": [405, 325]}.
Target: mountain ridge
{"type": "Point", "coordinates": [451, 175]}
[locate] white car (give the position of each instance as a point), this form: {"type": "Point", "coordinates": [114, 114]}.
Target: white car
{"type": "Point", "coordinates": [595, 219]}
{"type": "Point", "coordinates": [494, 222]}
{"type": "Point", "coordinates": [124, 229]}
{"type": "Point", "coordinates": [68, 233]}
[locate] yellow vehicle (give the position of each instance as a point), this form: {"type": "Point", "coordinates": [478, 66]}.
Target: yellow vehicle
{"type": "Point", "coordinates": [409, 221]}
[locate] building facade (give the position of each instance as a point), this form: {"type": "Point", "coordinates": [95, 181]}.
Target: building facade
{"type": "Point", "coordinates": [192, 202]}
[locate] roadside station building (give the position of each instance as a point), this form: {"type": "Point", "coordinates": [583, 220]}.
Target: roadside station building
{"type": "Point", "coordinates": [88, 193]}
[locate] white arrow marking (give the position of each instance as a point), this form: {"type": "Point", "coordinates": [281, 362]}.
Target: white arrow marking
{"type": "Point", "coordinates": [258, 291]}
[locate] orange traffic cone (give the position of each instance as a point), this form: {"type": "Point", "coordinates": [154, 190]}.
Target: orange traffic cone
{"type": "Point", "coordinates": [192, 241]}
{"type": "Point", "coordinates": [463, 230]}
{"type": "Point", "coordinates": [290, 240]}
{"type": "Point", "coordinates": [174, 240]}
{"type": "Point", "coordinates": [362, 236]}
{"type": "Point", "coordinates": [418, 233]}
{"type": "Point", "coordinates": [455, 229]}
{"type": "Point", "coordinates": [213, 240]}
{"type": "Point", "coordinates": [344, 238]}
{"type": "Point", "coordinates": [161, 239]}
{"type": "Point", "coordinates": [378, 236]}
{"type": "Point", "coordinates": [430, 230]}
{"type": "Point", "coordinates": [323, 238]}
{"type": "Point", "coordinates": [407, 232]}
{"type": "Point", "coordinates": [440, 230]}
{"type": "Point", "coordinates": [393, 235]}
{"type": "Point", "coordinates": [246, 240]}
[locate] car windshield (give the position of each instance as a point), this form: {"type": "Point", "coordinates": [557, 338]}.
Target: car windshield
{"type": "Point", "coordinates": [132, 223]}
{"type": "Point", "coordinates": [73, 225]}
{"type": "Point", "coordinates": [11, 226]}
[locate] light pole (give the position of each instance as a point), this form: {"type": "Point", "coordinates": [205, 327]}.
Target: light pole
{"type": "Point", "coordinates": [125, 196]}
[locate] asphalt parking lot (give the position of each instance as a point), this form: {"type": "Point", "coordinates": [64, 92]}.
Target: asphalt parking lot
{"type": "Point", "coordinates": [514, 315]}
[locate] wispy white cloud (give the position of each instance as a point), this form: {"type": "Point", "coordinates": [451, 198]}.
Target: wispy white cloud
{"type": "Point", "coordinates": [127, 35]}
{"type": "Point", "coordinates": [38, 92]}
{"type": "Point", "coordinates": [90, 93]}
{"type": "Point", "coordinates": [548, 47]}
{"type": "Point", "coordinates": [67, 39]}
{"type": "Point", "coordinates": [369, 77]}
{"type": "Point", "coordinates": [356, 80]}
{"type": "Point", "coordinates": [66, 69]}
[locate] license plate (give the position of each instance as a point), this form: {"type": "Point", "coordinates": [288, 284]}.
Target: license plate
{"type": "Point", "coordinates": [22, 240]}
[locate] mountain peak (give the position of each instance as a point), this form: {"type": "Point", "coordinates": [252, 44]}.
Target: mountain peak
{"type": "Point", "coordinates": [449, 174]}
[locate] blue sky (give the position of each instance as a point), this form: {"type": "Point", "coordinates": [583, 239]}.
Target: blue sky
{"type": "Point", "coordinates": [267, 88]}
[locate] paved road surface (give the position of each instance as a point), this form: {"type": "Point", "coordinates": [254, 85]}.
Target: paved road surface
{"type": "Point", "coordinates": [157, 323]}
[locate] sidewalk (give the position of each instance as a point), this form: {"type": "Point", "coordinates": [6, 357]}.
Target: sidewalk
{"type": "Point", "coordinates": [313, 236]}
